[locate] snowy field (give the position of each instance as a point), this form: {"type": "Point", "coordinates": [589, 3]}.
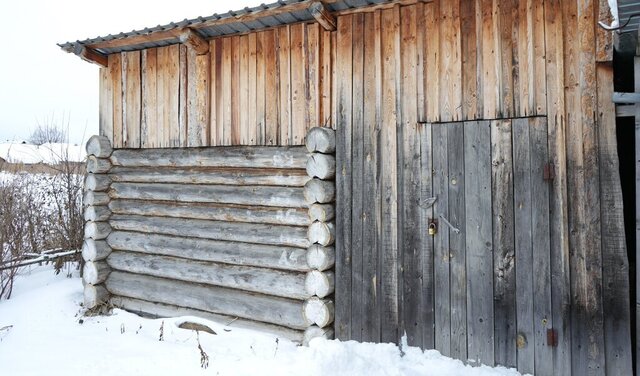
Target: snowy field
{"type": "Point", "coordinates": [45, 153]}
{"type": "Point", "coordinates": [43, 332]}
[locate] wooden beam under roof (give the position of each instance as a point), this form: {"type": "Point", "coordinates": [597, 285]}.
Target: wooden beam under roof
{"type": "Point", "coordinates": [88, 54]}
{"type": "Point", "coordinates": [194, 41]}
{"type": "Point", "coordinates": [320, 12]}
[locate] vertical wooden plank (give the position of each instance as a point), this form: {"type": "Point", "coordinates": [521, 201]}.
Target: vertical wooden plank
{"type": "Point", "coordinates": [428, 312]}
{"type": "Point", "coordinates": [313, 68]}
{"type": "Point", "coordinates": [326, 78]}
{"type": "Point", "coordinates": [542, 319]}
{"type": "Point", "coordinates": [604, 38]}
{"type": "Point", "coordinates": [252, 96]}
{"type": "Point", "coordinates": [390, 68]}
{"type": "Point", "coordinates": [538, 82]}
{"type": "Point", "coordinates": [490, 89]}
{"type": "Point", "coordinates": [171, 104]}
{"type": "Point", "coordinates": [421, 62]}
{"type": "Point", "coordinates": [558, 201]}
{"type": "Point", "coordinates": [198, 89]}
{"type": "Point", "coordinates": [115, 67]}
{"type": "Point", "coordinates": [284, 81]}
{"type": "Point", "coordinates": [370, 205]}
{"type": "Point", "coordinates": [457, 243]}
{"type": "Point", "coordinates": [131, 105]}
{"type": "Point", "coordinates": [451, 62]}
{"type": "Point", "coordinates": [161, 71]}
{"type": "Point", "coordinates": [432, 74]}
{"type": "Point", "coordinates": [182, 97]}
{"type": "Point", "coordinates": [523, 245]}
{"type": "Point", "coordinates": [236, 94]}
{"type": "Point", "coordinates": [505, 23]}
{"type": "Point", "coordinates": [409, 183]}
{"type": "Point", "coordinates": [357, 177]}
{"type": "Point", "coordinates": [106, 104]}
{"type": "Point", "coordinates": [615, 264]}
{"type": "Point", "coordinates": [344, 74]}
{"type": "Point", "coordinates": [469, 60]}
{"type": "Point", "coordinates": [272, 93]}
{"type": "Point", "coordinates": [261, 74]}
{"type": "Point", "coordinates": [149, 122]}
{"type": "Point", "coordinates": [226, 105]}
{"type": "Point", "coordinates": [298, 85]}
{"type": "Point", "coordinates": [213, 93]}
{"type": "Point", "coordinates": [504, 279]}
{"type": "Point", "coordinates": [441, 255]}
{"type": "Point", "coordinates": [479, 241]}
{"type": "Point", "coordinates": [242, 106]}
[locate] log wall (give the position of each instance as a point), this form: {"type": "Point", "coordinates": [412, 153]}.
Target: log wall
{"type": "Point", "coordinates": [225, 231]}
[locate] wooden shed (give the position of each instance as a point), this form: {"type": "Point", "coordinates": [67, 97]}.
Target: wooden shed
{"type": "Point", "coordinates": [469, 197]}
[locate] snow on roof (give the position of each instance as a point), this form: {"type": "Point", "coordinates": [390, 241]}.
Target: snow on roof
{"type": "Point", "coordinates": [49, 153]}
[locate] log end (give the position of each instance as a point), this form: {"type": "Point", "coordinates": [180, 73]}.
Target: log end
{"type": "Point", "coordinates": [321, 139]}
{"type": "Point", "coordinates": [100, 146]}
{"type": "Point", "coordinates": [320, 258]}
{"type": "Point", "coordinates": [95, 295]}
{"type": "Point", "coordinates": [319, 283]}
{"type": "Point", "coordinates": [313, 332]}
{"type": "Point", "coordinates": [322, 233]}
{"type": "Point", "coordinates": [319, 311]}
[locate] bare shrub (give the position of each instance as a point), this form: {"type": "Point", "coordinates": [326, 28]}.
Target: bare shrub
{"type": "Point", "coordinates": [47, 132]}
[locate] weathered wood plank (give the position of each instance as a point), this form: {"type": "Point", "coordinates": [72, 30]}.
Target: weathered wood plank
{"type": "Point", "coordinates": [370, 205]}
{"type": "Point", "coordinates": [542, 319]}
{"type": "Point", "coordinates": [275, 310]}
{"type": "Point", "coordinates": [312, 74]}
{"type": "Point", "coordinates": [131, 105]}
{"type": "Point", "coordinates": [198, 87]}
{"type": "Point", "coordinates": [159, 310]}
{"type": "Point", "coordinates": [441, 254]}
{"type": "Point", "coordinates": [226, 104]}
{"type": "Point", "coordinates": [298, 100]}
{"type": "Point", "coordinates": [216, 212]}
{"type": "Point", "coordinates": [450, 61]}
{"type": "Point", "coordinates": [149, 122]}
{"type": "Point", "coordinates": [284, 84]}
{"type": "Point", "coordinates": [235, 253]}
{"type": "Point", "coordinates": [236, 111]}
{"type": "Point", "coordinates": [162, 81]}
{"type": "Point", "coordinates": [469, 57]}
{"type": "Point", "coordinates": [218, 230]}
{"type": "Point", "coordinates": [506, 20]}
{"type": "Point", "coordinates": [246, 278]}
{"type": "Point", "coordinates": [523, 245]}
{"type": "Point", "coordinates": [115, 70]}
{"type": "Point", "coordinates": [432, 67]}
{"type": "Point", "coordinates": [210, 175]}
{"type": "Point", "coordinates": [235, 156]}
{"type": "Point", "coordinates": [183, 112]}
{"type": "Point", "coordinates": [457, 245]}
{"type": "Point", "coordinates": [106, 104]}
{"type": "Point", "coordinates": [241, 195]}
{"type": "Point", "coordinates": [252, 74]}
{"type": "Point", "coordinates": [504, 281]}
{"type": "Point", "coordinates": [212, 127]}
{"type": "Point", "coordinates": [343, 74]}
{"type": "Point", "coordinates": [243, 92]}
{"type": "Point", "coordinates": [171, 104]}
{"type": "Point", "coordinates": [261, 94]}
{"type": "Point", "coordinates": [427, 314]}
{"type": "Point", "coordinates": [490, 93]}
{"type": "Point", "coordinates": [479, 242]}
{"type": "Point", "coordinates": [272, 104]}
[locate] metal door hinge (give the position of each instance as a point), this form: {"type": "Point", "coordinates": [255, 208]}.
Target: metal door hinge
{"type": "Point", "coordinates": [549, 172]}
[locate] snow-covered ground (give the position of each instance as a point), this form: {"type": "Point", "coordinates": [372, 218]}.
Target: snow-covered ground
{"type": "Point", "coordinates": [43, 332]}
{"type": "Point", "coordinates": [45, 153]}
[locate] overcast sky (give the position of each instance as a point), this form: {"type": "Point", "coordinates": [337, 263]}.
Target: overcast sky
{"type": "Point", "coordinates": [40, 83]}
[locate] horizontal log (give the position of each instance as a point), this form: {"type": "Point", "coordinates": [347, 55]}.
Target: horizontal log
{"type": "Point", "coordinates": [320, 283]}
{"type": "Point", "coordinates": [319, 311]}
{"type": "Point", "coordinates": [321, 166]}
{"type": "Point", "coordinates": [320, 191]}
{"type": "Point", "coordinates": [321, 258]}
{"type": "Point", "coordinates": [218, 176]}
{"type": "Point", "coordinates": [216, 212]}
{"type": "Point", "coordinates": [97, 213]}
{"type": "Point", "coordinates": [228, 156]}
{"type": "Point", "coordinates": [313, 332]}
{"type": "Point", "coordinates": [97, 165]}
{"type": "Point", "coordinates": [221, 300]}
{"type": "Point", "coordinates": [95, 272]}
{"type": "Point", "coordinates": [322, 212]}
{"type": "Point", "coordinates": [219, 230]}
{"type": "Point", "coordinates": [159, 310]}
{"type": "Point", "coordinates": [322, 233]}
{"type": "Point", "coordinates": [223, 194]}
{"type": "Point", "coordinates": [95, 250]}
{"type": "Point", "coordinates": [248, 278]}
{"type": "Point", "coordinates": [96, 230]}
{"type": "Point", "coordinates": [266, 256]}
{"type": "Point", "coordinates": [92, 198]}
{"type": "Point", "coordinates": [95, 296]}
{"type": "Point", "coordinates": [97, 182]}
{"type": "Point", "coordinates": [321, 139]}
{"type": "Point", "coordinates": [100, 146]}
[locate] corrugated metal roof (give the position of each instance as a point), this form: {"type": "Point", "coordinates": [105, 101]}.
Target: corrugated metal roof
{"type": "Point", "coordinates": [627, 8]}
{"type": "Point", "coordinates": [216, 25]}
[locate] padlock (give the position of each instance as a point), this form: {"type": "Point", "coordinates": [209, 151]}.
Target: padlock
{"type": "Point", "coordinates": [433, 228]}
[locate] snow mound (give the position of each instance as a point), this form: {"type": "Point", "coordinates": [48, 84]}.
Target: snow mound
{"type": "Point", "coordinates": [43, 332]}
{"type": "Point", "coordinates": [49, 153]}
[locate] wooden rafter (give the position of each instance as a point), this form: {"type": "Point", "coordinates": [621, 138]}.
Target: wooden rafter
{"type": "Point", "coordinates": [323, 16]}
{"type": "Point", "coordinates": [193, 40]}
{"type": "Point", "coordinates": [89, 54]}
